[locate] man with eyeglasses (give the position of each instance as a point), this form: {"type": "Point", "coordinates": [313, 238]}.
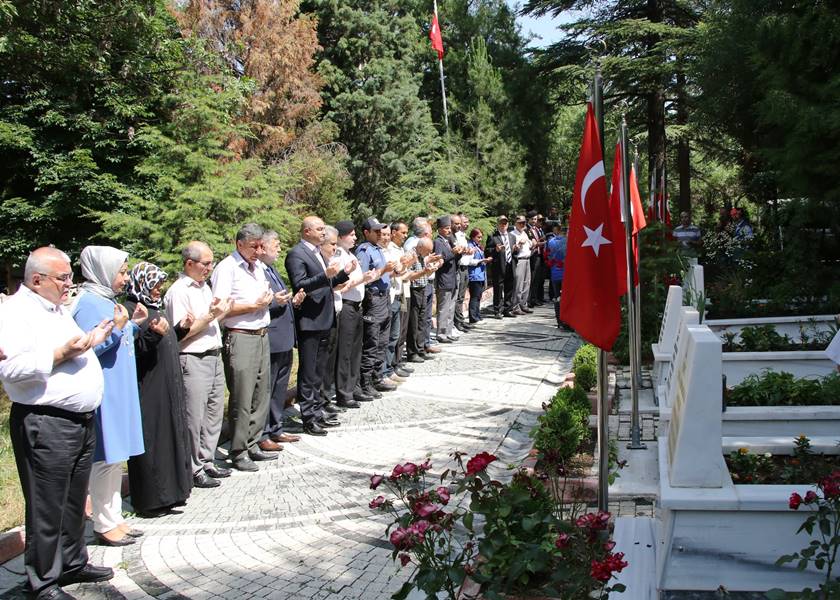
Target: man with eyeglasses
{"type": "Point", "coordinates": [55, 383]}
{"type": "Point", "coordinates": [201, 359]}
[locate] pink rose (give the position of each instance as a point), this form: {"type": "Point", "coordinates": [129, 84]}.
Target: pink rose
{"type": "Point", "coordinates": [562, 541]}
{"type": "Point", "coordinates": [427, 465]}
{"type": "Point", "coordinates": [377, 502]}
{"type": "Point", "coordinates": [398, 470]}
{"type": "Point", "coordinates": [404, 559]}
{"type": "Point", "coordinates": [810, 497]}
{"type": "Point", "coordinates": [375, 480]}
{"type": "Point", "coordinates": [425, 509]}
{"type": "Point", "coordinates": [479, 462]}
{"type": "Point", "coordinates": [401, 539]}
{"type": "Point", "coordinates": [443, 493]}
{"type": "Point", "coordinates": [420, 528]}
{"type": "Point", "coordinates": [795, 501]}
{"type": "Point", "coordinates": [409, 469]}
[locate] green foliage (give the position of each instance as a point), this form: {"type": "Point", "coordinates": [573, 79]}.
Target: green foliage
{"type": "Point", "coordinates": [803, 466]}
{"type": "Point", "coordinates": [781, 389]}
{"type": "Point", "coordinates": [585, 367]}
{"type": "Point", "coordinates": [563, 427]}
{"type": "Point", "coordinates": [763, 338]}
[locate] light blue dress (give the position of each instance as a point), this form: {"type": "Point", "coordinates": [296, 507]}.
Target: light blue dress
{"type": "Point", "coordinates": [119, 430]}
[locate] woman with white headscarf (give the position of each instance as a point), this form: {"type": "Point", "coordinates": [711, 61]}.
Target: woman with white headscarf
{"type": "Point", "coordinates": [119, 433]}
{"type": "Point", "coordinates": [161, 478]}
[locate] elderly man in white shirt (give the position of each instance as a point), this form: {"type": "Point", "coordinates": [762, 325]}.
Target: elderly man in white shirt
{"type": "Point", "coordinates": [522, 270]}
{"type": "Point", "coordinates": [201, 359]}
{"type": "Point", "coordinates": [55, 383]}
{"type": "Point", "coordinates": [246, 351]}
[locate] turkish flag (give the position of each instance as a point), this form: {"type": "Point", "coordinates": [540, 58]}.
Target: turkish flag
{"type": "Point", "coordinates": [434, 35]}
{"type": "Point", "coordinates": [617, 212]}
{"type": "Point", "coordinates": [589, 302]}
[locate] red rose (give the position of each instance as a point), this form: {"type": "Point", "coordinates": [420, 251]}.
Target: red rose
{"type": "Point", "coordinates": [831, 486]}
{"type": "Point", "coordinates": [398, 470]}
{"type": "Point", "coordinates": [810, 497]}
{"type": "Point", "coordinates": [443, 493]}
{"type": "Point", "coordinates": [562, 541]}
{"type": "Point", "coordinates": [404, 559]}
{"type": "Point", "coordinates": [377, 502]}
{"type": "Point", "coordinates": [600, 571]}
{"type": "Point", "coordinates": [401, 539]}
{"type": "Point", "coordinates": [479, 462]}
{"type": "Point", "coordinates": [795, 501]}
{"type": "Point", "coordinates": [425, 466]}
{"type": "Point", "coordinates": [375, 480]}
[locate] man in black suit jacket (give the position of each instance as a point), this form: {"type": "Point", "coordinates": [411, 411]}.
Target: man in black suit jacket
{"type": "Point", "coordinates": [500, 247]}
{"type": "Point", "coordinates": [281, 340]}
{"type": "Point", "coordinates": [314, 319]}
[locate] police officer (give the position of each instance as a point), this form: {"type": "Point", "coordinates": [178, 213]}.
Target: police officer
{"type": "Point", "coordinates": [375, 309]}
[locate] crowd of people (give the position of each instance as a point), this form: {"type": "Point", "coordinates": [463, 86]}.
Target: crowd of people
{"type": "Point", "coordinates": [96, 380]}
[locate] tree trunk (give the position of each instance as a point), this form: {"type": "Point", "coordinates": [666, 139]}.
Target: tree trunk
{"type": "Point", "coordinates": [683, 157]}
{"type": "Point", "coordinates": [656, 104]}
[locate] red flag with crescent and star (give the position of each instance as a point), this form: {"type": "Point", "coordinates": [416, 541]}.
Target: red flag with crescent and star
{"type": "Point", "coordinates": [437, 39]}
{"type": "Point", "coordinates": [617, 211]}
{"type": "Point", "coordinates": [589, 302]}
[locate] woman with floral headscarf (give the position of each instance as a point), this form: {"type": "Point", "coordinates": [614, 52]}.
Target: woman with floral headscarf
{"type": "Point", "coordinates": [160, 479]}
{"type": "Point", "coordinates": [119, 434]}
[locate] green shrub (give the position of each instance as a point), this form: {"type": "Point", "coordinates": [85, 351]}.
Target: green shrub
{"type": "Point", "coordinates": [585, 366]}
{"type": "Point", "coordinates": [763, 338]}
{"type": "Point", "coordinates": [563, 428]}
{"type": "Point", "coordinates": [782, 389]}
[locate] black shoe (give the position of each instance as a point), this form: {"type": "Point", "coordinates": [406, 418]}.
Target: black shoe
{"type": "Point", "coordinates": [527, 310]}
{"type": "Point", "coordinates": [87, 574]}
{"type": "Point", "coordinates": [370, 391]}
{"type": "Point", "coordinates": [384, 386]}
{"type": "Point", "coordinates": [362, 397]}
{"type": "Point", "coordinates": [417, 359]}
{"type": "Point", "coordinates": [292, 426]}
{"type": "Point", "coordinates": [258, 454]}
{"type": "Point", "coordinates": [333, 409]}
{"type": "Point", "coordinates": [329, 422]}
{"type": "Point", "coordinates": [203, 480]}
{"type": "Point", "coordinates": [442, 339]}
{"type": "Point", "coordinates": [103, 541]}
{"type": "Point", "coordinates": [406, 368]}
{"type": "Point", "coordinates": [217, 472]}
{"type": "Point", "coordinates": [314, 429]}
{"type": "Point", "coordinates": [510, 315]}
{"type": "Point", "coordinates": [53, 593]}
{"type": "Point", "coordinates": [243, 463]}
{"type": "Point", "coordinates": [349, 404]}
{"type": "Point", "coordinates": [401, 372]}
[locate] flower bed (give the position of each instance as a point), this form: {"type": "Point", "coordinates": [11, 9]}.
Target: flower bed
{"type": "Point", "coordinates": [499, 538]}
{"type": "Point", "coordinates": [783, 389]}
{"type": "Point", "coordinates": [765, 338]}
{"type": "Point", "coordinates": [802, 467]}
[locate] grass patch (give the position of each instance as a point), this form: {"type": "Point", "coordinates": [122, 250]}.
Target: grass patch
{"type": "Point", "coordinates": [11, 497]}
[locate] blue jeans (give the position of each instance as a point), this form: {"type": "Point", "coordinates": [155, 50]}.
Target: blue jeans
{"type": "Point", "coordinates": [476, 290]}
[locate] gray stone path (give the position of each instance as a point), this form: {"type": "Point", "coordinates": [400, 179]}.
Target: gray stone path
{"type": "Point", "coordinates": [301, 527]}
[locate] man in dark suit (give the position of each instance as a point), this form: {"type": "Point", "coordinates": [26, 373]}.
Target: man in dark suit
{"type": "Point", "coordinates": [500, 247]}
{"type": "Point", "coordinates": [446, 280]}
{"type": "Point", "coordinates": [281, 340]}
{"type": "Point", "coordinates": [314, 319]}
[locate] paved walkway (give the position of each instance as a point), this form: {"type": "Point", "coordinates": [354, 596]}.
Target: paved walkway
{"type": "Point", "coordinates": [301, 528]}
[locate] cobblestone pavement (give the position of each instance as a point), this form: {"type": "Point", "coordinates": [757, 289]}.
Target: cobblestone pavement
{"type": "Point", "coordinates": [301, 528]}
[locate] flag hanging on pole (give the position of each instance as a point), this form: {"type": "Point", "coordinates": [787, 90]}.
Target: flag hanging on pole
{"type": "Point", "coordinates": [589, 302]}
{"type": "Point", "coordinates": [617, 214]}
{"type": "Point", "coordinates": [435, 36]}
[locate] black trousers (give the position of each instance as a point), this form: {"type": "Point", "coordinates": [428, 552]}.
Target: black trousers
{"type": "Point", "coordinates": [555, 289]}
{"type": "Point", "coordinates": [281, 368]}
{"type": "Point", "coordinates": [328, 385]}
{"type": "Point", "coordinates": [537, 293]}
{"type": "Point", "coordinates": [415, 341]}
{"type": "Point", "coordinates": [53, 451]}
{"type": "Point", "coordinates": [313, 354]}
{"type": "Point", "coordinates": [398, 352]}
{"type": "Point", "coordinates": [476, 290]}
{"type": "Point", "coordinates": [376, 316]}
{"type": "Point", "coordinates": [348, 351]}
{"type": "Point", "coordinates": [463, 283]}
{"type": "Point", "coordinates": [503, 286]}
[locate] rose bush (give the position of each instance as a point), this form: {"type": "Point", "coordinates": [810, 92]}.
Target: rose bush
{"type": "Point", "coordinates": [507, 538]}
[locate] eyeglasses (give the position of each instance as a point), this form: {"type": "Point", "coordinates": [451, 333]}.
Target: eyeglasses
{"type": "Point", "coordinates": [209, 264]}
{"type": "Point", "coordinates": [63, 278]}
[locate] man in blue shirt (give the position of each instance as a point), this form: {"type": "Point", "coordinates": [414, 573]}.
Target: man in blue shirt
{"type": "Point", "coordinates": [555, 260]}
{"type": "Point", "coordinates": [375, 309]}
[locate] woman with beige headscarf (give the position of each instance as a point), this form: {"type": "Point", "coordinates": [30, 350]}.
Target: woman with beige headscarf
{"type": "Point", "coordinates": [119, 434]}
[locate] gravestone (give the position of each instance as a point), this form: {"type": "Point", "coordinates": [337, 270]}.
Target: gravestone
{"type": "Point", "coordinates": [694, 286]}
{"type": "Point", "coordinates": [667, 333]}
{"type": "Point", "coordinates": [694, 431]}
{"type": "Point", "coordinates": [687, 316]}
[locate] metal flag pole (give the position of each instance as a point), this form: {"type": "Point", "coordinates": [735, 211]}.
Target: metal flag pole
{"type": "Point", "coordinates": [632, 330]}
{"type": "Point", "coordinates": [442, 84]}
{"type": "Point", "coordinates": [603, 377]}
{"type": "Point", "coordinates": [638, 290]}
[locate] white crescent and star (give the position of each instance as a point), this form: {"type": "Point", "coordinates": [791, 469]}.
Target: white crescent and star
{"type": "Point", "coordinates": [595, 239]}
{"type": "Point", "coordinates": [595, 173]}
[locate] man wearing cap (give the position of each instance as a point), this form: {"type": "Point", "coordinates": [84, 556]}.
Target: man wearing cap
{"type": "Point", "coordinates": [522, 267]}
{"type": "Point", "coordinates": [313, 318]}
{"type": "Point", "coordinates": [446, 282]}
{"type": "Point", "coordinates": [375, 311]}
{"type": "Point", "coordinates": [459, 223]}
{"type": "Point", "coordinates": [500, 247]}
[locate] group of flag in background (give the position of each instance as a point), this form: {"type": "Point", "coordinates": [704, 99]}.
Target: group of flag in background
{"type": "Point", "coordinates": [596, 273]}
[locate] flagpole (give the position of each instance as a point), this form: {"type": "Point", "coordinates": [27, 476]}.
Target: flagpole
{"type": "Point", "coordinates": [635, 429]}
{"type": "Point", "coordinates": [603, 377]}
{"type": "Point", "coordinates": [442, 84]}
